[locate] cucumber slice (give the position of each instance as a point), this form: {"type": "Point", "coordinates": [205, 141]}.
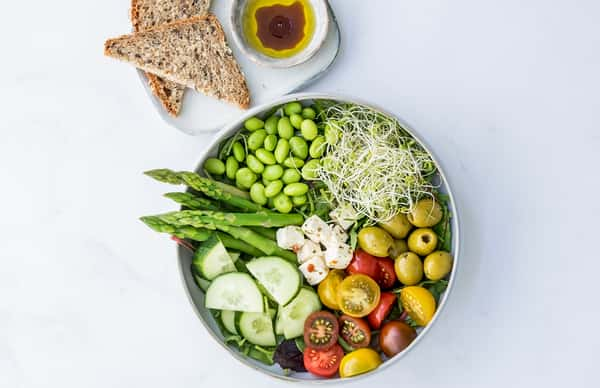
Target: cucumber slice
{"type": "Point", "coordinates": [201, 282]}
{"type": "Point", "coordinates": [234, 291]}
{"type": "Point", "coordinates": [278, 277]}
{"type": "Point", "coordinates": [257, 328]}
{"type": "Point", "coordinates": [295, 313]}
{"type": "Point", "coordinates": [228, 319]}
{"type": "Point", "coordinates": [279, 322]}
{"type": "Point", "coordinates": [212, 259]}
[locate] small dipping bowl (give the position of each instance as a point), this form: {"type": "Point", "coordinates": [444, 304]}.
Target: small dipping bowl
{"type": "Point", "coordinates": [321, 14]}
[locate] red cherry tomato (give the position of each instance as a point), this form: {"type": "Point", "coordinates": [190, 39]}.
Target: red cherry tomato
{"type": "Point", "coordinates": [386, 276]}
{"type": "Point", "coordinates": [324, 363]}
{"type": "Point", "coordinates": [363, 263]}
{"type": "Point", "coordinates": [386, 303]}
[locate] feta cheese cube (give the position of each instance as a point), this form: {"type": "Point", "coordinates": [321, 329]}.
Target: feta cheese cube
{"type": "Point", "coordinates": [316, 229]}
{"type": "Point", "coordinates": [290, 237]}
{"type": "Point", "coordinates": [340, 233]}
{"type": "Point", "coordinates": [338, 256]}
{"type": "Point", "coordinates": [314, 270]}
{"type": "Point", "coordinates": [308, 250]}
{"type": "Point", "coordinates": [344, 216]}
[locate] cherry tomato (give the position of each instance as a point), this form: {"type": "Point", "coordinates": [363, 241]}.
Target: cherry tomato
{"type": "Point", "coordinates": [321, 330]}
{"type": "Point", "coordinates": [358, 295]}
{"type": "Point", "coordinates": [386, 274]}
{"type": "Point", "coordinates": [324, 363]}
{"type": "Point", "coordinates": [355, 331]}
{"type": "Point", "coordinates": [395, 336]}
{"type": "Point", "coordinates": [359, 361]}
{"type": "Point", "coordinates": [328, 288]}
{"type": "Point", "coordinates": [386, 303]}
{"type": "Point", "coordinates": [363, 263]}
{"type": "Point", "coordinates": [418, 303]}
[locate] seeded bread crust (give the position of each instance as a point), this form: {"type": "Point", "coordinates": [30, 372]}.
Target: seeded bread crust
{"type": "Point", "coordinates": [191, 52]}
{"type": "Point", "coordinates": [146, 14]}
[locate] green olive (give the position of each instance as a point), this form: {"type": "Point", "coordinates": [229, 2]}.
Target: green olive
{"type": "Point", "coordinates": [427, 212]}
{"type": "Point", "coordinates": [409, 268]}
{"type": "Point", "coordinates": [422, 241]}
{"type": "Point", "coordinates": [398, 248]}
{"type": "Point", "coordinates": [398, 226]}
{"type": "Point", "coordinates": [437, 265]}
{"type": "Point", "coordinates": [375, 241]}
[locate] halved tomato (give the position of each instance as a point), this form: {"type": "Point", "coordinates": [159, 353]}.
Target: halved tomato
{"type": "Point", "coordinates": [386, 303]}
{"type": "Point", "coordinates": [324, 363]}
{"type": "Point", "coordinates": [328, 288]}
{"type": "Point", "coordinates": [358, 295]}
{"type": "Point", "coordinates": [386, 276]}
{"type": "Point", "coordinates": [355, 331]}
{"type": "Point", "coordinates": [363, 263]}
{"type": "Point", "coordinates": [321, 330]}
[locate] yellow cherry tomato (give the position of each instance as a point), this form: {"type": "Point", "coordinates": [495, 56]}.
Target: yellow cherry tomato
{"type": "Point", "coordinates": [418, 303]}
{"type": "Point", "coordinates": [358, 295]}
{"type": "Point", "coordinates": [328, 288]}
{"type": "Point", "coordinates": [359, 361]}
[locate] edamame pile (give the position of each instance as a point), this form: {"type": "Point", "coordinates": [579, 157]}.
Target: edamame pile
{"type": "Point", "coordinates": [273, 159]}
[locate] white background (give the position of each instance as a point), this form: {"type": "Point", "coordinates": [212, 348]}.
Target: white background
{"type": "Point", "coordinates": [505, 92]}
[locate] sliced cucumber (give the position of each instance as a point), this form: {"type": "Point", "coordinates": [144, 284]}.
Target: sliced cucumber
{"type": "Point", "coordinates": [212, 259]}
{"type": "Point", "coordinates": [201, 282]}
{"type": "Point", "coordinates": [228, 319]}
{"type": "Point", "coordinates": [257, 328]}
{"type": "Point", "coordinates": [234, 291]}
{"type": "Point", "coordinates": [234, 256]}
{"type": "Point", "coordinates": [279, 322]}
{"type": "Point", "coordinates": [278, 277]}
{"type": "Point", "coordinates": [295, 313]}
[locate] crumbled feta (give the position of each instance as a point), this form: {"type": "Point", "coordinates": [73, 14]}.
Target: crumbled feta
{"type": "Point", "coordinates": [338, 256]}
{"type": "Point", "coordinates": [340, 233]}
{"type": "Point", "coordinates": [344, 216]}
{"type": "Point", "coordinates": [316, 229]}
{"type": "Point", "coordinates": [309, 249]}
{"type": "Point", "coordinates": [314, 270]}
{"type": "Point", "coordinates": [290, 237]}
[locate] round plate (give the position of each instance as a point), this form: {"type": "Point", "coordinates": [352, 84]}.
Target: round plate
{"type": "Point", "coordinates": [196, 296]}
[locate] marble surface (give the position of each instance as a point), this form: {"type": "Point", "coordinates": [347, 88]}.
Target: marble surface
{"type": "Point", "coordinates": [505, 92]}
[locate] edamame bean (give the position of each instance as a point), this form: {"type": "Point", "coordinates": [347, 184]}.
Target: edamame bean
{"type": "Point", "coordinates": [299, 147]}
{"type": "Point", "coordinates": [273, 188]}
{"type": "Point", "coordinates": [254, 164]}
{"type": "Point", "coordinates": [284, 128]}
{"type": "Point", "coordinates": [309, 129]}
{"type": "Point", "coordinates": [309, 113]}
{"type": "Point", "coordinates": [309, 171]}
{"type": "Point", "coordinates": [317, 147]}
{"type": "Point", "coordinates": [270, 142]}
{"type": "Point", "coordinates": [282, 150]}
{"type": "Point", "coordinates": [331, 134]}
{"type": "Point", "coordinates": [214, 166]}
{"type": "Point", "coordinates": [254, 124]}
{"type": "Point", "coordinates": [296, 120]}
{"type": "Point", "coordinates": [257, 193]}
{"type": "Point", "coordinates": [293, 162]}
{"type": "Point", "coordinates": [291, 175]}
{"type": "Point", "coordinates": [265, 156]}
{"type": "Point", "coordinates": [295, 189]}
{"type": "Point", "coordinates": [292, 107]}
{"type": "Point", "coordinates": [274, 172]}
{"type": "Point", "coordinates": [238, 151]}
{"type": "Point", "coordinates": [256, 139]}
{"type": "Point", "coordinates": [271, 125]}
{"type": "Point", "coordinates": [299, 200]}
{"type": "Point", "coordinates": [231, 167]}
{"type": "Point", "coordinates": [265, 181]}
{"type": "Point", "coordinates": [283, 203]}
{"type": "Point", "coordinates": [244, 178]}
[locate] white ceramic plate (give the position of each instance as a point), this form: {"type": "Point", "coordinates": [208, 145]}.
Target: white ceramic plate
{"type": "Point", "coordinates": [201, 113]}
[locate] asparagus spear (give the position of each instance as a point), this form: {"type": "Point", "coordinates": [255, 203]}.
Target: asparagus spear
{"type": "Point", "coordinates": [191, 201]}
{"type": "Point", "coordinates": [190, 217]}
{"type": "Point", "coordinates": [266, 232]}
{"type": "Point", "coordinates": [208, 187]}
{"type": "Point", "coordinates": [196, 234]}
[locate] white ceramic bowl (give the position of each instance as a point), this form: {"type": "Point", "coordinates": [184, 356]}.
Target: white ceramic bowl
{"type": "Point", "coordinates": [196, 296]}
{"type": "Point", "coordinates": [321, 12]}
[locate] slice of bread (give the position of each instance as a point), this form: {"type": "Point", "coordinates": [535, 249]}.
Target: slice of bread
{"type": "Point", "coordinates": [191, 52]}
{"type": "Point", "coordinates": [146, 14]}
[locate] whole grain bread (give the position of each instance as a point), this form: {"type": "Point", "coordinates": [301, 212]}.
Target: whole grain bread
{"type": "Point", "coordinates": [191, 52]}
{"type": "Point", "coordinates": [146, 14]}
